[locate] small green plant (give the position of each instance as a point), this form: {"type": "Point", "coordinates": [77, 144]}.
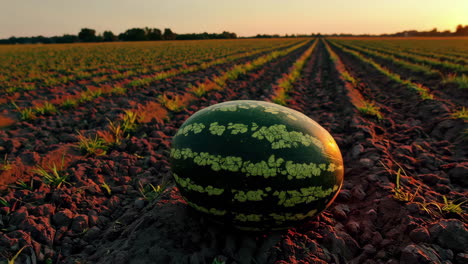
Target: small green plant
{"type": "Point", "coordinates": [21, 185]}
{"type": "Point", "coordinates": [53, 175]}
{"type": "Point", "coordinates": [13, 259]}
{"type": "Point", "coordinates": [398, 192]}
{"type": "Point", "coordinates": [5, 165]}
{"type": "Point", "coordinates": [26, 113]}
{"type": "Point", "coordinates": [4, 203]}
{"type": "Point", "coordinates": [175, 104]}
{"type": "Point", "coordinates": [46, 109]}
{"type": "Point", "coordinates": [460, 81]}
{"type": "Point", "coordinates": [130, 119]}
{"type": "Point", "coordinates": [347, 77]}
{"type": "Point", "coordinates": [463, 114]}
{"type": "Point", "coordinates": [69, 103]}
{"type": "Point", "coordinates": [119, 90]}
{"type": "Point", "coordinates": [114, 135]}
{"type": "Point", "coordinates": [370, 109]}
{"type": "Point", "coordinates": [279, 96]}
{"type": "Point", "coordinates": [107, 188]}
{"type": "Point", "coordinates": [217, 261]}
{"type": "Point", "coordinates": [198, 90]}
{"type": "Point", "coordinates": [151, 192]}
{"type": "Point", "coordinates": [92, 146]}
{"type": "Point", "coordinates": [451, 207]}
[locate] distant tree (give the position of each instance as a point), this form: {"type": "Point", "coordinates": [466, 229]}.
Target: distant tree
{"type": "Point", "coordinates": [461, 31]}
{"type": "Point", "coordinates": [168, 34]}
{"type": "Point", "coordinates": [134, 34]}
{"type": "Point", "coordinates": [228, 35]}
{"type": "Point", "coordinates": [87, 35]}
{"type": "Point", "coordinates": [65, 39]}
{"type": "Point", "coordinates": [153, 34]}
{"type": "Point", "coordinates": [108, 36]}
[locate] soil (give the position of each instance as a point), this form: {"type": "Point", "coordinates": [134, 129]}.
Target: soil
{"type": "Point", "coordinates": [83, 222]}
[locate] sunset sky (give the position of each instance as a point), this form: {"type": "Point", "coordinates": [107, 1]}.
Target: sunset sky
{"type": "Point", "coordinates": [244, 17]}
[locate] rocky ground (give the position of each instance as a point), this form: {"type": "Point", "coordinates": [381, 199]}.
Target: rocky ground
{"type": "Point", "coordinates": [83, 222]}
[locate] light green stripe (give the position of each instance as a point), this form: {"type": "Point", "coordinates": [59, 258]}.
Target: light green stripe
{"type": "Point", "coordinates": [277, 135]}
{"type": "Point", "coordinates": [270, 109]}
{"type": "Point", "coordinates": [188, 184]}
{"type": "Point", "coordinates": [287, 198]}
{"type": "Point", "coordinates": [270, 168]}
{"type": "Point", "coordinates": [212, 211]}
{"type": "Point", "coordinates": [291, 217]}
{"type": "Point", "coordinates": [280, 218]}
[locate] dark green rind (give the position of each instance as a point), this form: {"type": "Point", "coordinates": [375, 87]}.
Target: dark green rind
{"type": "Point", "coordinates": [255, 150]}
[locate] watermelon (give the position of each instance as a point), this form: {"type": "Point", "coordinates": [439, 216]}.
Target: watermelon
{"type": "Point", "coordinates": [255, 165]}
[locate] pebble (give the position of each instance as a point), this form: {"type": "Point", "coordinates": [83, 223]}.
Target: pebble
{"type": "Point", "coordinates": [420, 235]}
{"type": "Point", "coordinates": [62, 218]}
{"type": "Point", "coordinates": [367, 163]}
{"type": "Point", "coordinates": [461, 258]}
{"type": "Point", "coordinates": [358, 192]}
{"type": "Point", "coordinates": [139, 203]}
{"type": "Point", "coordinates": [458, 174]}
{"type": "Point", "coordinates": [352, 227]}
{"type": "Point", "coordinates": [450, 233]}
{"type": "Point", "coordinates": [79, 223]}
{"type": "Point", "coordinates": [356, 150]}
{"type": "Point", "coordinates": [419, 254]}
{"type": "Point", "coordinates": [344, 195]}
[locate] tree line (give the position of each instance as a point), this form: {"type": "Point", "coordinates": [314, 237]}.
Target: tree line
{"type": "Point", "coordinates": [460, 31]}
{"type": "Point", "coordinates": [133, 34]}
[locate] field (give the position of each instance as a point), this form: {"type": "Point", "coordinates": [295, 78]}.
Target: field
{"type": "Point", "coordinates": [85, 134]}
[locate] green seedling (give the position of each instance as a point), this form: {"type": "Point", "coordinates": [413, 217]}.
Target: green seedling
{"type": "Point", "coordinates": [463, 114]}
{"type": "Point", "coordinates": [69, 103]}
{"type": "Point", "coordinates": [130, 119]}
{"type": "Point", "coordinates": [4, 202]}
{"type": "Point", "coordinates": [451, 207]}
{"type": "Point", "coordinates": [216, 261]}
{"type": "Point", "coordinates": [114, 135]}
{"type": "Point", "coordinates": [370, 109]}
{"type": "Point", "coordinates": [21, 185]}
{"type": "Point", "coordinates": [13, 259]}
{"type": "Point", "coordinates": [347, 77]}
{"type": "Point", "coordinates": [53, 176]}
{"type": "Point", "coordinates": [175, 104]}
{"type": "Point", "coordinates": [151, 192]}
{"type": "Point", "coordinates": [5, 166]}
{"type": "Point", "coordinates": [107, 188]}
{"type": "Point", "coordinates": [198, 90]}
{"type": "Point", "coordinates": [92, 146]}
{"type": "Point", "coordinates": [398, 192]}
{"type": "Point", "coordinates": [46, 109]}
{"type": "Point", "coordinates": [119, 90]}
{"type": "Point", "coordinates": [26, 113]}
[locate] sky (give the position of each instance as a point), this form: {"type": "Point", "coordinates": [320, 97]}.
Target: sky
{"type": "Point", "coordinates": [22, 18]}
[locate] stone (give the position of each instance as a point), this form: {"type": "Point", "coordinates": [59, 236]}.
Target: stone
{"type": "Point", "coordinates": [62, 218]}
{"type": "Point", "coordinates": [356, 150]}
{"type": "Point", "coordinates": [458, 174]}
{"type": "Point", "coordinates": [450, 233]}
{"type": "Point", "coordinates": [419, 254]}
{"type": "Point", "coordinates": [367, 163]}
{"type": "Point", "coordinates": [79, 223]}
{"type": "Point", "coordinates": [420, 235]}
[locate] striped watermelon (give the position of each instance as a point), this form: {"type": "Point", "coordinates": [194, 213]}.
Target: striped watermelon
{"type": "Point", "coordinates": [255, 165]}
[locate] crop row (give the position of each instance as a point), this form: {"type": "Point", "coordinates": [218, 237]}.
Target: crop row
{"type": "Point", "coordinates": [458, 111]}
{"type": "Point", "coordinates": [286, 82]}
{"type": "Point", "coordinates": [423, 91]}
{"type": "Point", "coordinates": [65, 100]}
{"type": "Point", "coordinates": [443, 66]}
{"type": "Point", "coordinates": [32, 67]}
